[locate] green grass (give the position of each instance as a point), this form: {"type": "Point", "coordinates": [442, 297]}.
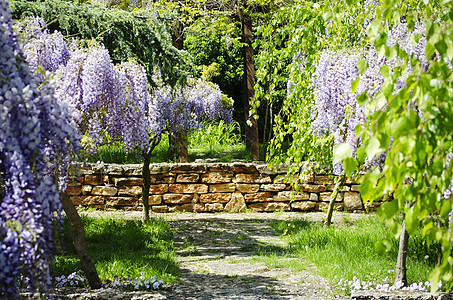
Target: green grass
{"type": "Point", "coordinates": [115, 153]}
{"type": "Point", "coordinates": [122, 249]}
{"type": "Point", "coordinates": [348, 251]}
{"type": "Point", "coordinates": [216, 140]}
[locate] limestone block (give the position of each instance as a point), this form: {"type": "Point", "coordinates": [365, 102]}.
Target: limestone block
{"type": "Point", "coordinates": [303, 205]}
{"type": "Point", "coordinates": [325, 197]}
{"type": "Point", "coordinates": [153, 200]}
{"type": "Point", "coordinates": [222, 188]}
{"type": "Point", "coordinates": [247, 188]}
{"type": "Point", "coordinates": [111, 169]}
{"type": "Point", "coordinates": [236, 204]}
{"type": "Point", "coordinates": [352, 201]}
{"type": "Point", "coordinates": [96, 179]}
{"type": "Point", "coordinates": [244, 168]}
{"type": "Point", "coordinates": [133, 169]}
{"type": "Point", "coordinates": [264, 169]}
{"type": "Point", "coordinates": [291, 196]}
{"type": "Point", "coordinates": [224, 168]}
{"type": "Point", "coordinates": [86, 189]}
{"type": "Point", "coordinates": [188, 178]}
{"type": "Point", "coordinates": [75, 180]}
{"type": "Point", "coordinates": [159, 208]}
{"type": "Point", "coordinates": [312, 188]}
{"type": "Point", "coordinates": [211, 207]}
{"type": "Point", "coordinates": [101, 190]}
{"type": "Point", "coordinates": [158, 168]}
{"type": "Point", "coordinates": [77, 200]}
{"type": "Point", "coordinates": [74, 190]}
{"type": "Point", "coordinates": [216, 178]}
{"type": "Point", "coordinates": [188, 168]}
{"type": "Point", "coordinates": [130, 190]}
{"type": "Point", "coordinates": [122, 201]}
{"type": "Point", "coordinates": [188, 188]}
{"type": "Point", "coordinates": [215, 197]}
{"type": "Point", "coordinates": [324, 180]}
{"type": "Point", "coordinates": [177, 198]}
{"type": "Point", "coordinates": [189, 207]}
{"type": "Point", "coordinates": [258, 197]}
{"type": "Point", "coordinates": [162, 178]}
{"type": "Point", "coordinates": [308, 177]}
{"type": "Point", "coordinates": [269, 206]}
{"type": "Point", "coordinates": [122, 181]}
{"type": "Point", "coordinates": [252, 178]}
{"type": "Point", "coordinates": [355, 188]}
{"type": "Point", "coordinates": [157, 189]}
{"type": "Point", "coordinates": [87, 200]}
{"type": "Point", "coordinates": [273, 187]}
{"type": "Point", "coordinates": [373, 206]}
{"type": "Point", "coordinates": [313, 197]}
{"type": "Point", "coordinates": [323, 206]}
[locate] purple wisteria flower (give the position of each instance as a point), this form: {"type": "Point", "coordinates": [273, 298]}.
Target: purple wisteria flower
{"type": "Point", "coordinates": [36, 134]}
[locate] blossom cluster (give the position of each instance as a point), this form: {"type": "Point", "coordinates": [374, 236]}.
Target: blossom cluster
{"type": "Point", "coordinates": [336, 110]}
{"type": "Point", "coordinates": [36, 134]}
{"type": "Point", "coordinates": [77, 279]}
{"type": "Point", "coordinates": [112, 102]}
{"type": "Point", "coordinates": [359, 285]}
{"type": "Point", "coordinates": [184, 108]}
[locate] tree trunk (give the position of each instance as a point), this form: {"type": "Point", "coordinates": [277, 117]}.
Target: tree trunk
{"type": "Point", "coordinates": [146, 175]}
{"type": "Point", "coordinates": [251, 126]}
{"type": "Point", "coordinates": [183, 153]}
{"type": "Point", "coordinates": [339, 182]}
{"type": "Point", "coordinates": [78, 239]}
{"type": "Point", "coordinates": [177, 35]}
{"type": "Point", "coordinates": [400, 271]}
{"type": "Point", "coordinates": [146, 185]}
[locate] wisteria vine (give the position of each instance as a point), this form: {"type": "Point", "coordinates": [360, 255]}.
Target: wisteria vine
{"type": "Point", "coordinates": [36, 134]}
{"type": "Point", "coordinates": [336, 110]}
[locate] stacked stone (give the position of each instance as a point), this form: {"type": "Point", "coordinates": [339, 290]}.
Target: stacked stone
{"type": "Point", "coordinates": [207, 187]}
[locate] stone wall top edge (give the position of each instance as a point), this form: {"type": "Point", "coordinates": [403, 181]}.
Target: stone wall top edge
{"type": "Point", "coordinates": [133, 169]}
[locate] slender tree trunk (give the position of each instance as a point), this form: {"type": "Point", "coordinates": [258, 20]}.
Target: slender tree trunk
{"type": "Point", "coordinates": [146, 185]}
{"type": "Point", "coordinates": [338, 184]}
{"type": "Point", "coordinates": [400, 271]}
{"type": "Point", "coordinates": [251, 126]}
{"type": "Point", "coordinates": [183, 153]}
{"type": "Point", "coordinates": [78, 239]}
{"type": "Point", "coordinates": [146, 175]}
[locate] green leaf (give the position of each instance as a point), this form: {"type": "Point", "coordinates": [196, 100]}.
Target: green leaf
{"type": "Point", "coordinates": [327, 16]}
{"type": "Point", "coordinates": [382, 247]}
{"type": "Point", "coordinates": [350, 165]}
{"type": "Point", "coordinates": [373, 148]}
{"type": "Point", "coordinates": [354, 85]}
{"type": "Point", "coordinates": [390, 208]}
{"type": "Point", "coordinates": [361, 65]}
{"type": "Point", "coordinates": [341, 152]}
{"type": "Point", "coordinates": [362, 98]}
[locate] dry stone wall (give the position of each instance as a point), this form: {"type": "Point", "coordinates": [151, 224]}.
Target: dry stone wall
{"type": "Point", "coordinates": [206, 187]}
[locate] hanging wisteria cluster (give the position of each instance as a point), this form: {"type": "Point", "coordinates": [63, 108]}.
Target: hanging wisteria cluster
{"type": "Point", "coordinates": [184, 108]}
{"type": "Point", "coordinates": [113, 100]}
{"type": "Point", "coordinates": [106, 98]}
{"type": "Point", "coordinates": [35, 131]}
{"type": "Point", "coordinates": [336, 110]}
{"type": "Point", "coordinates": [42, 48]}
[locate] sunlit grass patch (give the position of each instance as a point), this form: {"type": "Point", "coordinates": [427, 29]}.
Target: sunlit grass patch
{"type": "Point", "coordinates": [348, 251]}
{"type": "Point", "coordinates": [122, 249]}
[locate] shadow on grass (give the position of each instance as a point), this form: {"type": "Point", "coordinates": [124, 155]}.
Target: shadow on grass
{"type": "Point", "coordinates": [122, 249]}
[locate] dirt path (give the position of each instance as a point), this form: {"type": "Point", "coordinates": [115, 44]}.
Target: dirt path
{"type": "Point", "coordinates": [240, 256]}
